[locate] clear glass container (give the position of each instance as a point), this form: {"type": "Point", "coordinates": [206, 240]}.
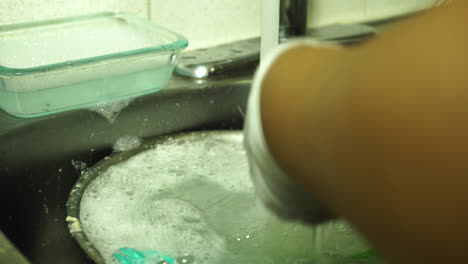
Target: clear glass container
{"type": "Point", "coordinates": [62, 64]}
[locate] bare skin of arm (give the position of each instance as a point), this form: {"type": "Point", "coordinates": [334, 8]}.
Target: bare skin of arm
{"type": "Point", "coordinates": [379, 133]}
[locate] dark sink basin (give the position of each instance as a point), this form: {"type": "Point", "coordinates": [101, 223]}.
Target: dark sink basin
{"type": "Point", "coordinates": [36, 156]}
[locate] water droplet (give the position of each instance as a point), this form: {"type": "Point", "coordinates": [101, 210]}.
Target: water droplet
{"type": "Point", "coordinates": [186, 259]}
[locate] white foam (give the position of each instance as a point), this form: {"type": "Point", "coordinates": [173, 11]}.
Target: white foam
{"type": "Point", "coordinates": [79, 166]}
{"type": "Point", "coordinates": [187, 197]}
{"type": "Point", "coordinates": [110, 110]}
{"type": "Point", "coordinates": [126, 143]}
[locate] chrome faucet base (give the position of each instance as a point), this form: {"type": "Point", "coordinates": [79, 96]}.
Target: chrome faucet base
{"type": "Point", "coordinates": [239, 55]}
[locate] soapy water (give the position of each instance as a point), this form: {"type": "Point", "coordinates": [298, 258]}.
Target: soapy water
{"type": "Point", "coordinates": [189, 198]}
{"type": "Point", "coordinates": [49, 45]}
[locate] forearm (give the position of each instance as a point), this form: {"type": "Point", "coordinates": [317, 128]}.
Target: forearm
{"type": "Point", "coordinates": [378, 134]}
{"type": "Point", "coordinates": [293, 87]}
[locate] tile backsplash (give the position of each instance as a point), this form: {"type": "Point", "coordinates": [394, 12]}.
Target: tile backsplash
{"type": "Point", "coordinates": [209, 22]}
{"type": "Point", "coordinates": [323, 12]}
{"type": "Point", "coordinates": [206, 22]}
{"type": "Point", "coordinates": [16, 11]}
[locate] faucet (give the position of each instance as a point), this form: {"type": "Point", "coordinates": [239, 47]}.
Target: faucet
{"type": "Point", "coordinates": [293, 19]}
{"type": "Point", "coordinates": [281, 20]}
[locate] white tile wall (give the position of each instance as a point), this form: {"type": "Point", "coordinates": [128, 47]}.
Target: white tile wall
{"type": "Point", "coordinates": [208, 22]}
{"type": "Point", "coordinates": [322, 12]}
{"type": "Point", "coordinates": [15, 11]}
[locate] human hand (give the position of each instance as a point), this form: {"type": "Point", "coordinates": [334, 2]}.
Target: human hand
{"type": "Point", "coordinates": [280, 193]}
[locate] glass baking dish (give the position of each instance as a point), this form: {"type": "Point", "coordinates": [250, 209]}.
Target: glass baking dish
{"type": "Point", "coordinates": [56, 65]}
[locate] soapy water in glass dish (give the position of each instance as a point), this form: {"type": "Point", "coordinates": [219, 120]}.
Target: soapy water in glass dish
{"type": "Point", "coordinates": [194, 201]}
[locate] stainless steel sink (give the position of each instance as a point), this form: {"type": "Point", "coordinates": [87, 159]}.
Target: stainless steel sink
{"type": "Point", "coordinates": [36, 170]}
